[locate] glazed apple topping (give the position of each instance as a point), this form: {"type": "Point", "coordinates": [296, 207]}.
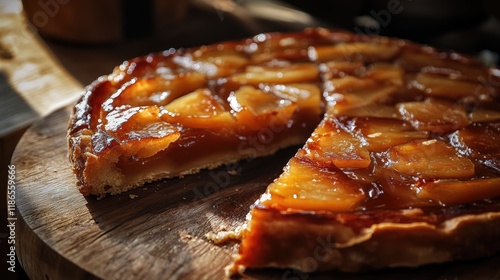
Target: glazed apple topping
{"type": "Point", "coordinates": [306, 95]}
{"type": "Point", "coordinates": [138, 130]}
{"type": "Point", "coordinates": [443, 86]}
{"type": "Point", "coordinates": [306, 186]}
{"type": "Point", "coordinates": [429, 159]}
{"type": "Point", "coordinates": [480, 141]}
{"type": "Point", "coordinates": [213, 63]}
{"type": "Point", "coordinates": [199, 109]}
{"type": "Point", "coordinates": [296, 73]}
{"type": "Point", "coordinates": [453, 192]}
{"type": "Point", "coordinates": [331, 144]}
{"type": "Point", "coordinates": [434, 115]}
{"type": "Point", "coordinates": [382, 133]}
{"type": "Point", "coordinates": [158, 90]}
{"type": "Point", "coordinates": [400, 122]}
{"type": "Point", "coordinates": [255, 109]}
{"type": "Point", "coordinates": [354, 51]}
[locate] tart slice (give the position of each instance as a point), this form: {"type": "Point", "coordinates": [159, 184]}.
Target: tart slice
{"type": "Point", "coordinates": [403, 170]}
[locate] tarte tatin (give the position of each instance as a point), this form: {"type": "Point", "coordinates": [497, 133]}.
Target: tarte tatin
{"type": "Point", "coordinates": [401, 158]}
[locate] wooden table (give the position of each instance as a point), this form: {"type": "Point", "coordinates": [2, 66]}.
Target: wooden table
{"type": "Point", "coordinates": [153, 232]}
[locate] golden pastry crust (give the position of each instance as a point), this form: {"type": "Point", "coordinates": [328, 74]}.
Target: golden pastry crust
{"type": "Point", "coordinates": [311, 242]}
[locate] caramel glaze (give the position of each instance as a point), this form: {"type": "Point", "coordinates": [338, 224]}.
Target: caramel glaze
{"type": "Point", "coordinates": [90, 112]}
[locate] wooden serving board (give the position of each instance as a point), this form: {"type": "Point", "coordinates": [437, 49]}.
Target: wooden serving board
{"type": "Point", "coordinates": [154, 232]}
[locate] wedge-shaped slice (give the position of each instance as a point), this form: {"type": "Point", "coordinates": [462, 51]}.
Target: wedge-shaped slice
{"type": "Point", "coordinates": [453, 192]}
{"type": "Point", "coordinates": [256, 109]}
{"type": "Point", "coordinates": [429, 159]}
{"type": "Point", "coordinates": [308, 187]}
{"type": "Point", "coordinates": [433, 115]}
{"type": "Point", "coordinates": [198, 109]}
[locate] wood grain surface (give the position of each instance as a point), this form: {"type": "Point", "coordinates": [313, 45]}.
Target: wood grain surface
{"type": "Point", "coordinates": [154, 232]}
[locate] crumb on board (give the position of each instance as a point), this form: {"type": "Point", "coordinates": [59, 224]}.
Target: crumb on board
{"type": "Point", "coordinates": [222, 235]}
{"type": "Point", "coordinates": [185, 236]}
{"type": "Point", "coordinates": [133, 196]}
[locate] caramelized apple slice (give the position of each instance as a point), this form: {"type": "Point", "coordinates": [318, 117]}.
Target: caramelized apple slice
{"type": "Point", "coordinates": [383, 133]}
{"type": "Point", "coordinates": [480, 141]}
{"type": "Point", "coordinates": [331, 144]}
{"type": "Point", "coordinates": [443, 86]}
{"type": "Point", "coordinates": [198, 109]}
{"type": "Point", "coordinates": [434, 62]}
{"type": "Point", "coordinates": [349, 92]}
{"type": "Point", "coordinates": [348, 102]}
{"type": "Point", "coordinates": [140, 131]}
{"type": "Point", "coordinates": [428, 159]}
{"type": "Point", "coordinates": [433, 115]}
{"type": "Point", "coordinates": [485, 115]}
{"type": "Point", "coordinates": [295, 73]}
{"type": "Point", "coordinates": [454, 192]}
{"type": "Point", "coordinates": [305, 186]}
{"type": "Point", "coordinates": [307, 96]}
{"type": "Point", "coordinates": [256, 109]}
{"type": "Point", "coordinates": [287, 47]}
{"type": "Point", "coordinates": [213, 63]}
{"type": "Point", "coordinates": [143, 143]}
{"type": "Point", "coordinates": [157, 90]}
{"type": "Point", "coordinates": [338, 69]}
{"type": "Point", "coordinates": [387, 73]}
{"type": "Point", "coordinates": [372, 110]}
{"type": "Point", "coordinates": [353, 51]}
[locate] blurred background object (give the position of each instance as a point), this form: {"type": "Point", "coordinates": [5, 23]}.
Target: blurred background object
{"type": "Point", "coordinates": [466, 26]}
{"type": "Point", "coordinates": [95, 21]}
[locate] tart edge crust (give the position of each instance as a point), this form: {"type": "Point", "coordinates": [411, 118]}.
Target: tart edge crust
{"type": "Point", "coordinates": [321, 244]}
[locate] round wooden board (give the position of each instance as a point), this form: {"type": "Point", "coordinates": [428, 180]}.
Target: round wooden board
{"type": "Point", "coordinates": [154, 232]}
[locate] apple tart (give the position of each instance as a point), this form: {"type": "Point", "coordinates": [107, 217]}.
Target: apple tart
{"type": "Point", "coordinates": [400, 163]}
